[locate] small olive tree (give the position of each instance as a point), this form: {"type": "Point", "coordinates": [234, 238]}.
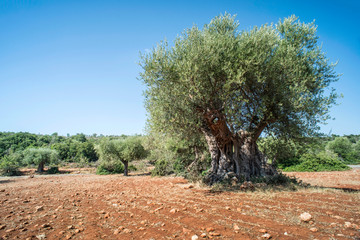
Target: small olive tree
{"type": "Point", "coordinates": [123, 150]}
{"type": "Point", "coordinates": [40, 156]}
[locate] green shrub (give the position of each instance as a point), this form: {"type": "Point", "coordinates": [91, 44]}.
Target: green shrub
{"type": "Point", "coordinates": [162, 167]}
{"type": "Point", "coordinates": [279, 179]}
{"type": "Point", "coordinates": [53, 170]}
{"type": "Point", "coordinates": [132, 168]}
{"type": "Point", "coordinates": [9, 166]}
{"type": "Point", "coordinates": [111, 167]}
{"type": "Point", "coordinates": [322, 161]}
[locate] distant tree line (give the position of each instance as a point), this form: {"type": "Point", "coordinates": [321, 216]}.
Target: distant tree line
{"type": "Point", "coordinates": [27, 149]}
{"type": "Point", "coordinates": [169, 154]}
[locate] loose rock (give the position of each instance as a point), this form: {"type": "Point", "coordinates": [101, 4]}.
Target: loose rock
{"type": "Point", "coordinates": [194, 237]}
{"type": "Point", "coordinates": [266, 236]}
{"type": "Point", "coordinates": [41, 236]}
{"type": "Point", "coordinates": [39, 208]}
{"type": "Point", "coordinates": [210, 229]}
{"type": "Point", "coordinates": [236, 227]}
{"type": "Point", "coordinates": [173, 210]}
{"type": "Point", "coordinates": [305, 217]}
{"type": "Point", "coordinates": [347, 225]}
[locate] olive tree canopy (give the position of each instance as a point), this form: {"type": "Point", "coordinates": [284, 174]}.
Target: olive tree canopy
{"type": "Point", "coordinates": [231, 86]}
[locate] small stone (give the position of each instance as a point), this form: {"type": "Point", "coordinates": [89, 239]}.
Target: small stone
{"type": "Point", "coordinates": [41, 236]}
{"type": "Point", "coordinates": [203, 235]}
{"type": "Point", "coordinates": [227, 208]}
{"type": "Point", "coordinates": [10, 230]}
{"type": "Point", "coordinates": [116, 232]}
{"type": "Point", "coordinates": [189, 186]}
{"type": "Point", "coordinates": [236, 227]}
{"type": "Point", "coordinates": [347, 225]}
{"type": "Point", "coordinates": [313, 229]}
{"type": "Point", "coordinates": [67, 237]}
{"type": "Point", "coordinates": [305, 217]}
{"type": "Point", "coordinates": [2, 227]}
{"type": "Point", "coordinates": [127, 230]}
{"type": "Point", "coordinates": [214, 234]}
{"type": "Point", "coordinates": [263, 230]}
{"type": "Point", "coordinates": [77, 230]}
{"type": "Point", "coordinates": [174, 210]}
{"type": "Point", "coordinates": [266, 236]}
{"type": "Point", "coordinates": [194, 237]}
{"type": "Point", "coordinates": [39, 208]}
{"type": "Point", "coordinates": [70, 227]}
{"type": "Point", "coordinates": [210, 229]}
{"type": "Point", "coordinates": [141, 229]}
{"type": "Point", "coordinates": [2, 190]}
{"type": "Point", "coordinates": [46, 225]}
{"type": "Point", "coordinates": [285, 233]}
{"type": "Point", "coordinates": [107, 215]}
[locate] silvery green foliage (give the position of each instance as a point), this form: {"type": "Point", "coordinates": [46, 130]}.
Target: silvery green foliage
{"type": "Point", "coordinates": [274, 78]}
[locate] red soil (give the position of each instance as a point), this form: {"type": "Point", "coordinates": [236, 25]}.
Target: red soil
{"type": "Point", "coordinates": [88, 206]}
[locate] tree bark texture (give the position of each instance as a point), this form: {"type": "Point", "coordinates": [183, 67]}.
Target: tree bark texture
{"type": "Point", "coordinates": [40, 167]}
{"type": "Point", "coordinates": [126, 165]}
{"type": "Point", "coordinates": [232, 155]}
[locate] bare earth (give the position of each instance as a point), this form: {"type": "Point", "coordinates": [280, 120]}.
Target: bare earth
{"type": "Point", "coordinates": [87, 206]}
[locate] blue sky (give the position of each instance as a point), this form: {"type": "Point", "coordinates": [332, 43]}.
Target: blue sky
{"type": "Point", "coordinates": [71, 66]}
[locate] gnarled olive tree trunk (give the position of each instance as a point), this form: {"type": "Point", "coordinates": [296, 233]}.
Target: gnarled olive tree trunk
{"type": "Point", "coordinates": [233, 155]}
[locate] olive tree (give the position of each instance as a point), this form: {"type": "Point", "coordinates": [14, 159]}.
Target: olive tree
{"type": "Point", "coordinates": [232, 86]}
{"type": "Point", "coordinates": [40, 156]}
{"type": "Point", "coordinates": [123, 150]}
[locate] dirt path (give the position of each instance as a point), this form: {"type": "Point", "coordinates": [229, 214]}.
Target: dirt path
{"type": "Point", "coordinates": [142, 207]}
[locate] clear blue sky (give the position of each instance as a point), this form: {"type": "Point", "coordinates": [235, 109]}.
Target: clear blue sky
{"type": "Point", "coordinates": [71, 66]}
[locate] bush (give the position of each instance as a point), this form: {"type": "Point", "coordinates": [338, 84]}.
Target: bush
{"type": "Point", "coordinates": [322, 161]}
{"type": "Point", "coordinates": [111, 167]}
{"type": "Point", "coordinates": [162, 168]}
{"type": "Point", "coordinates": [342, 147]}
{"type": "Point", "coordinates": [9, 166]}
{"type": "Point", "coordinates": [53, 170]}
{"type": "Point", "coordinates": [279, 179]}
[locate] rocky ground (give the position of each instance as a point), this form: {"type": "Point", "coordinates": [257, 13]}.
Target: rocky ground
{"type": "Point", "coordinates": [87, 206]}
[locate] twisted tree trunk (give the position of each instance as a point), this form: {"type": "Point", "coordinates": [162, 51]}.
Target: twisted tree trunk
{"type": "Point", "coordinates": [233, 155]}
